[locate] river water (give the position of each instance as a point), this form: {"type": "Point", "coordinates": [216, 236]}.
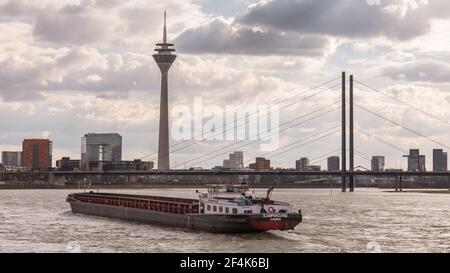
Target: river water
{"type": "Point", "coordinates": [369, 220]}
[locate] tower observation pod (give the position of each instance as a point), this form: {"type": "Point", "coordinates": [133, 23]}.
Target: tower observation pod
{"type": "Point", "coordinates": [164, 58]}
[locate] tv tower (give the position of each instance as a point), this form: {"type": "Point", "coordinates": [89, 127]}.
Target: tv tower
{"type": "Point", "coordinates": [164, 58]}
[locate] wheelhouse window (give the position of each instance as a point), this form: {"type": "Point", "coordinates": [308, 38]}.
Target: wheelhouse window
{"type": "Point", "coordinates": [220, 209]}
{"type": "Point", "coordinates": [208, 207]}
{"type": "Point", "coordinates": [227, 210]}
{"type": "Point", "coordinates": [214, 208]}
{"type": "Point", "coordinates": [234, 211]}
{"type": "Point", "coordinates": [248, 212]}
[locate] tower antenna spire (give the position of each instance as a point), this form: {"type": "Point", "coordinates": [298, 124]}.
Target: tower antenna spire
{"type": "Point", "coordinates": [164, 58]}
{"type": "Point", "coordinates": [165, 30]}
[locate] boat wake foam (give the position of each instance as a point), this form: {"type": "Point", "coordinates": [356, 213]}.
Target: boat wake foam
{"type": "Point", "coordinates": [290, 235]}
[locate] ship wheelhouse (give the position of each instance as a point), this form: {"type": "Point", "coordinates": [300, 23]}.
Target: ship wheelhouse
{"type": "Point", "coordinates": [237, 199]}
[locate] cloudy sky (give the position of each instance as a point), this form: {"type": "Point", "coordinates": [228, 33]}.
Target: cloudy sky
{"type": "Point", "coordinates": [68, 67]}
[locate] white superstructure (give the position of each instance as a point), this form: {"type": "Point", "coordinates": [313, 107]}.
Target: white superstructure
{"type": "Point", "coordinates": [237, 199]}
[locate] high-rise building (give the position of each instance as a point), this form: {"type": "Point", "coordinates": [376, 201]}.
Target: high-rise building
{"type": "Point", "coordinates": [164, 58]}
{"type": "Point", "coordinates": [101, 147]}
{"type": "Point", "coordinates": [37, 154]}
{"type": "Point", "coordinates": [236, 160]}
{"type": "Point", "coordinates": [67, 164]}
{"type": "Point", "coordinates": [226, 163]}
{"type": "Point", "coordinates": [333, 164]}
{"type": "Point", "coordinates": [302, 164]}
{"type": "Point", "coordinates": [12, 159]}
{"type": "Point", "coordinates": [440, 161]}
{"type": "Point", "coordinates": [261, 164]}
{"type": "Point", "coordinates": [416, 161]}
{"type": "Point", "coordinates": [378, 163]}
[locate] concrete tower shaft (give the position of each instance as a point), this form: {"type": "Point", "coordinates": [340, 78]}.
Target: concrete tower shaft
{"type": "Point", "coordinates": [164, 58]}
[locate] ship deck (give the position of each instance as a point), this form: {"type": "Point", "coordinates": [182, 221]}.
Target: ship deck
{"type": "Point", "coordinates": [144, 197]}
{"type": "Point", "coordinates": [155, 203]}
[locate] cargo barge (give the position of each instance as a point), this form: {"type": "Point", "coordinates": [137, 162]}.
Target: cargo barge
{"type": "Point", "coordinates": [223, 209]}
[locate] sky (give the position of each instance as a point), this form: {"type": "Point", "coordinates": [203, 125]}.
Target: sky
{"type": "Point", "coordinates": [77, 66]}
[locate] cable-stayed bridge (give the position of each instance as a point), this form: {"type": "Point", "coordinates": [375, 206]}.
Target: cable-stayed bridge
{"type": "Point", "coordinates": [343, 104]}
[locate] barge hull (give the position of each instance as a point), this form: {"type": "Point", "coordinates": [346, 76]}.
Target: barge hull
{"type": "Point", "coordinates": [197, 222]}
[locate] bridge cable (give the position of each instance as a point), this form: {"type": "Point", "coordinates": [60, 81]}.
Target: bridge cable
{"type": "Point", "coordinates": [402, 102]}
{"type": "Point", "coordinates": [304, 144]}
{"type": "Point", "coordinates": [260, 140]}
{"type": "Point", "coordinates": [245, 124]}
{"type": "Point", "coordinates": [282, 101]}
{"type": "Point", "coordinates": [404, 127]}
{"type": "Point", "coordinates": [296, 142]}
{"type": "Point", "coordinates": [323, 157]}
{"type": "Point", "coordinates": [296, 119]}
{"type": "Point", "coordinates": [398, 148]}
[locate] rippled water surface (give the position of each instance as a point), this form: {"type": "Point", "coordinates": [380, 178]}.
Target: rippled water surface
{"type": "Point", "coordinates": [365, 221]}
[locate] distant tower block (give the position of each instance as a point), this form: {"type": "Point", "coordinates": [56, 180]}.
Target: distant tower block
{"type": "Point", "coordinates": [164, 58]}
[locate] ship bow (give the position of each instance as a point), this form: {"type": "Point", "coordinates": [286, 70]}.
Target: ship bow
{"type": "Point", "coordinates": [266, 222]}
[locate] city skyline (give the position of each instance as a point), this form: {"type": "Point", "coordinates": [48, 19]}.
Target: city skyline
{"type": "Point", "coordinates": [106, 143]}
{"type": "Point", "coordinates": [74, 86]}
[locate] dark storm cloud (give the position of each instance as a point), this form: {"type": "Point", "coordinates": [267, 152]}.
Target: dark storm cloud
{"type": "Point", "coordinates": [220, 38]}
{"type": "Point", "coordinates": [305, 27]}
{"type": "Point", "coordinates": [346, 18]}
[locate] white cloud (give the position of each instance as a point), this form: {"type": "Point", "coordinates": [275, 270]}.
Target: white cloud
{"type": "Point", "coordinates": [87, 67]}
{"type": "Point", "coordinates": [419, 71]}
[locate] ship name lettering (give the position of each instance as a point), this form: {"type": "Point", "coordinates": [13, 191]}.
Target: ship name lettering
{"type": "Point", "coordinates": [279, 215]}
